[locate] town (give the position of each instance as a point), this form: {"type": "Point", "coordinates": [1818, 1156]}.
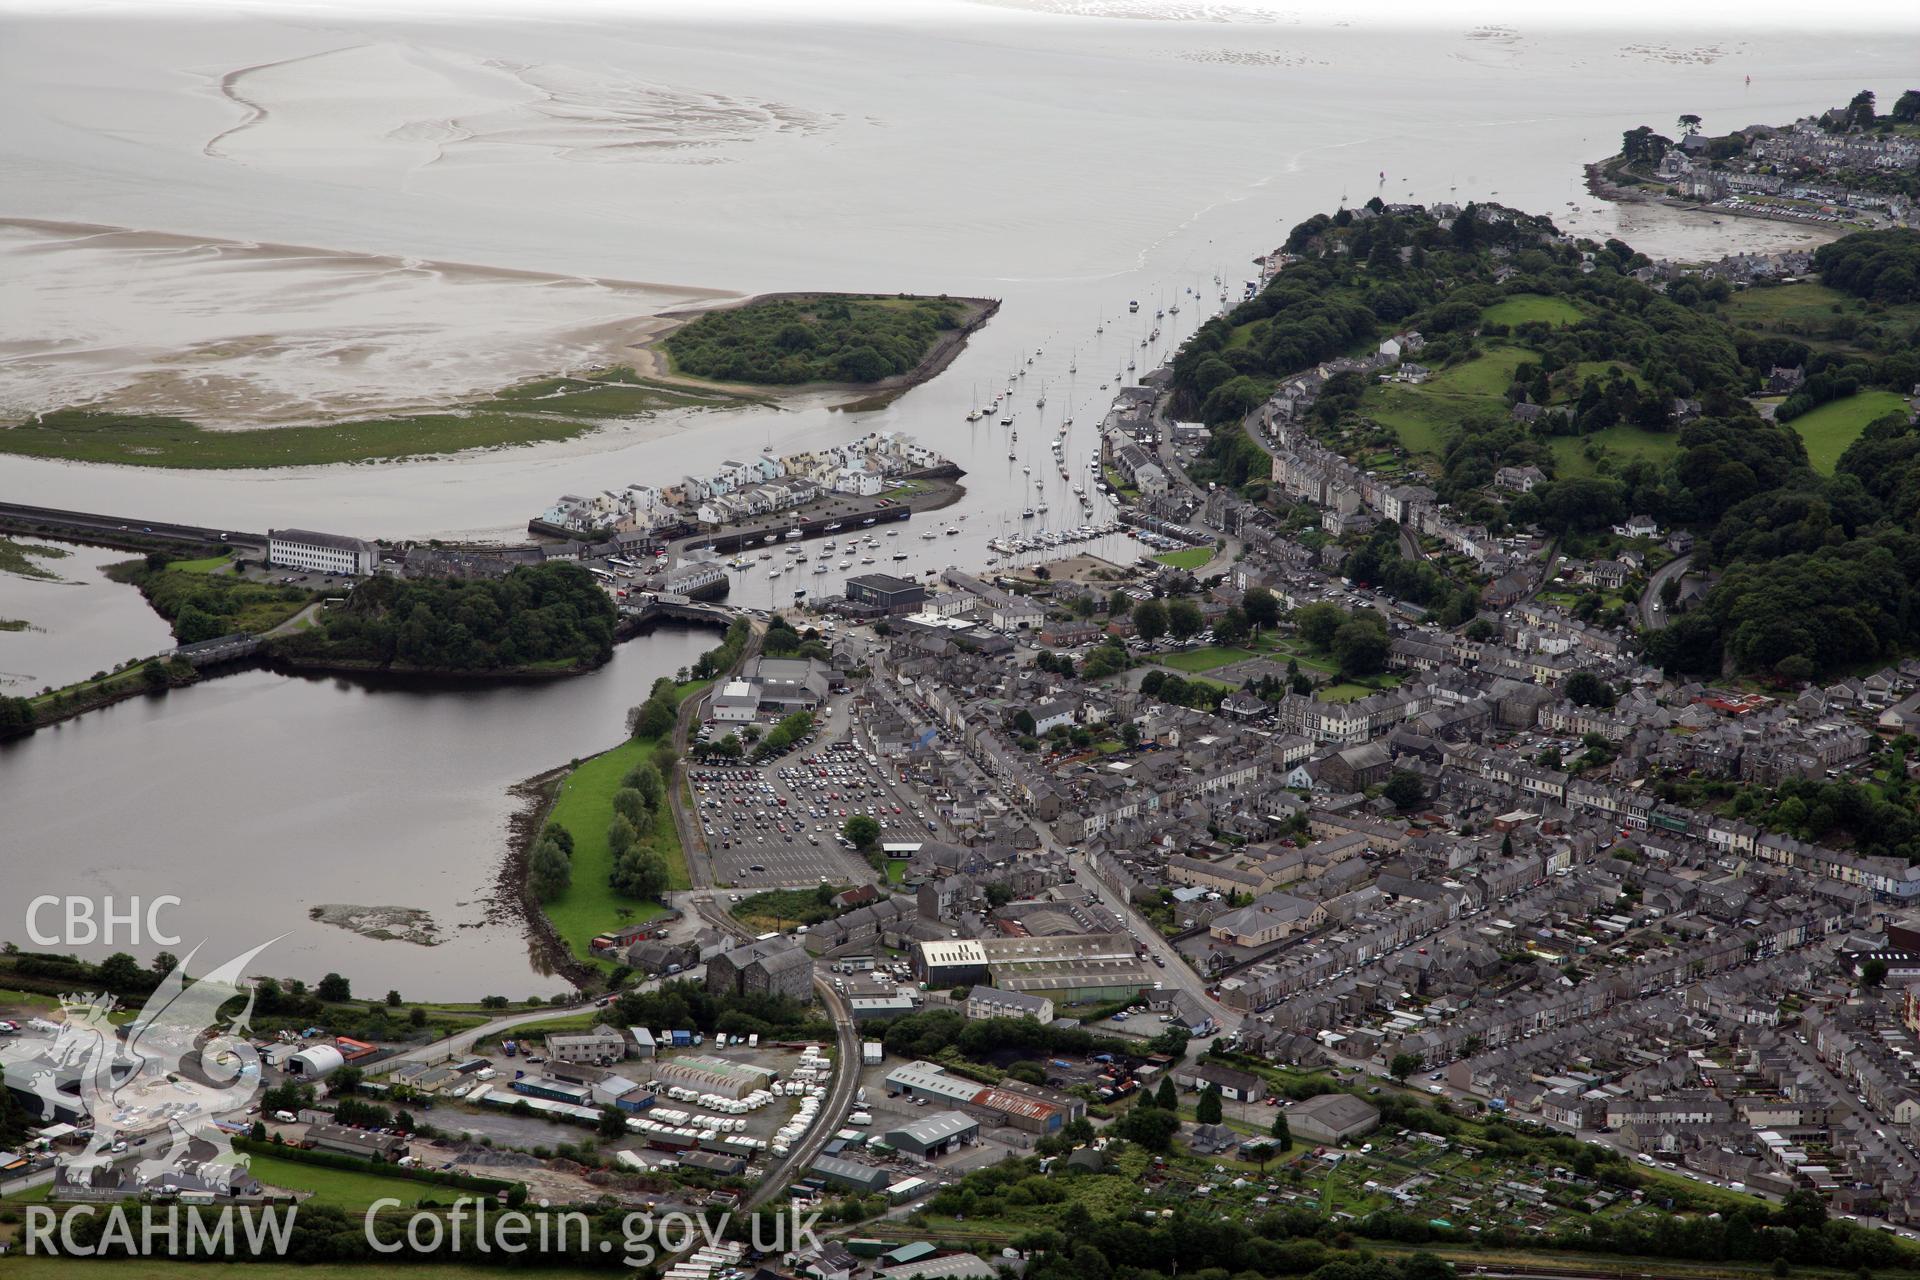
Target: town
{"type": "Point", "coordinates": [1836, 168]}
{"type": "Point", "coordinates": [1351, 851]}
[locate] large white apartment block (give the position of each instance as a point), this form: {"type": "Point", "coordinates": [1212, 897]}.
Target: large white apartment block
{"type": "Point", "coordinates": [321, 552]}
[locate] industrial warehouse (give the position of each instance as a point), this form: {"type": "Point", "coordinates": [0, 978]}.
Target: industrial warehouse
{"type": "Point", "coordinates": [1070, 968]}
{"type": "Point", "coordinates": [709, 1074]}
{"type": "Point", "coordinates": [1012, 1103]}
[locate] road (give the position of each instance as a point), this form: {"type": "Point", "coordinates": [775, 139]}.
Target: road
{"type": "Point", "coordinates": [846, 1076]}
{"type": "Point", "coordinates": [298, 620]}
{"type": "Point", "coordinates": [90, 522]}
{"type": "Point", "coordinates": [1177, 971]}
{"type": "Point", "coordinates": [1652, 619]}
{"type": "Point", "coordinates": [460, 1044]}
{"type": "Point", "coordinates": [1410, 548]}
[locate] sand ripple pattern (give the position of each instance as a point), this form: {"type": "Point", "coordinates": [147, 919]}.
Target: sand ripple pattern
{"type": "Point", "coordinates": [1149, 10]}
{"type": "Point", "coordinates": [432, 106]}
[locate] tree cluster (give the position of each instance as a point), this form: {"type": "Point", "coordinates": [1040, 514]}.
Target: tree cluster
{"type": "Point", "coordinates": [1881, 266]}
{"type": "Point", "coordinates": [542, 615]}
{"type": "Point", "coordinates": [690, 1006]}
{"type": "Point", "coordinates": [550, 863]}
{"type": "Point", "coordinates": [784, 341]}
{"type": "Point", "coordinates": [638, 870]}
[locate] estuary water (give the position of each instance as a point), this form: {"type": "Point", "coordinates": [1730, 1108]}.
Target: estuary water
{"type": "Point", "coordinates": [254, 797]}
{"type": "Point", "coordinates": [78, 621]}
{"type": "Point", "coordinates": [440, 204]}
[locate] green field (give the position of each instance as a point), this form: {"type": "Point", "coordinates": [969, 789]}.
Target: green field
{"type": "Point", "coordinates": [1353, 691]}
{"type": "Point", "coordinates": [1204, 659]}
{"type": "Point", "coordinates": [1283, 649]}
{"type": "Point", "coordinates": [532, 413]}
{"type": "Point", "coordinates": [1824, 318]}
{"type": "Point", "coordinates": [1785, 305]}
{"type": "Point", "coordinates": [1188, 558]}
{"type": "Point", "coordinates": [1622, 443]}
{"type": "Point", "coordinates": [589, 906]}
{"type": "Point", "coordinates": [1531, 308]}
{"type": "Point", "coordinates": [1423, 417]}
{"type": "Point", "coordinates": [1829, 429]}
{"type": "Point", "coordinates": [349, 1188]}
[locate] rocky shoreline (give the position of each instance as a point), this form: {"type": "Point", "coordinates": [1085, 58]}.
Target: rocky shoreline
{"type": "Point", "coordinates": [513, 901]}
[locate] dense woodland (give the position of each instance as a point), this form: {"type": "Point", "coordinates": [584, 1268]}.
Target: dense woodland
{"type": "Point", "coordinates": [546, 616]}
{"type": "Point", "coordinates": [785, 341]}
{"type": "Point", "coordinates": [1882, 266]}
{"type": "Point", "coordinates": [1818, 572]}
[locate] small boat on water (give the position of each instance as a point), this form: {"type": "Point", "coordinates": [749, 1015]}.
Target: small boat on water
{"type": "Point", "coordinates": [899, 555]}
{"type": "Point", "coordinates": [952, 531]}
